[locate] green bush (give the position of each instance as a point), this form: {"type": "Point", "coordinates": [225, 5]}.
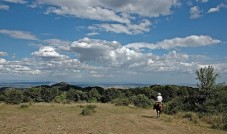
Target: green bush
{"type": "Point", "coordinates": [89, 109]}
{"type": "Point", "coordinates": [60, 98]}
{"type": "Point", "coordinates": [13, 96]}
{"type": "Point", "coordinates": [141, 101]}
{"type": "Point", "coordinates": [49, 94]}
{"type": "Point", "coordinates": [174, 106]}
{"type": "Point", "coordinates": [24, 106]}
{"type": "Point", "coordinates": [111, 94]}
{"type": "Point", "coordinates": [94, 95]}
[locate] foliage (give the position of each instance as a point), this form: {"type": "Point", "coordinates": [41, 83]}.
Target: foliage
{"type": "Point", "coordinates": [141, 101]}
{"type": "Point", "coordinates": [33, 94]}
{"type": "Point", "coordinates": [24, 106]}
{"type": "Point", "coordinates": [60, 98]}
{"type": "Point", "coordinates": [174, 106]}
{"type": "Point", "coordinates": [13, 96]}
{"type": "Point", "coordinates": [48, 94]}
{"type": "Point", "coordinates": [93, 95]}
{"type": "Point", "coordinates": [207, 78]}
{"type": "Point", "coordinates": [111, 94]}
{"type": "Point", "coordinates": [89, 109]}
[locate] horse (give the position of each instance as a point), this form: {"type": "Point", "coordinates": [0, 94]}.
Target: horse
{"type": "Point", "coordinates": [158, 106]}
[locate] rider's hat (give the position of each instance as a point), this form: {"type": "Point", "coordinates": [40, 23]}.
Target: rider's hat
{"type": "Point", "coordinates": [159, 94]}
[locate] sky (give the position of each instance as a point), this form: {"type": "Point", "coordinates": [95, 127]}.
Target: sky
{"type": "Point", "coordinates": [126, 41]}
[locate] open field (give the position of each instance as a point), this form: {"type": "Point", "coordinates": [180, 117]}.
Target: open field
{"type": "Point", "coordinates": [108, 119]}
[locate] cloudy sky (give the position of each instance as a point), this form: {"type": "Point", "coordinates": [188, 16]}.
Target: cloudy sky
{"type": "Point", "coordinates": [136, 41]}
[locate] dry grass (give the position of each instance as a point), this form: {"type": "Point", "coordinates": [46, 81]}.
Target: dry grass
{"type": "Point", "coordinates": [108, 119]}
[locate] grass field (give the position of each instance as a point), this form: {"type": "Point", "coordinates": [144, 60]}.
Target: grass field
{"type": "Point", "coordinates": [52, 118]}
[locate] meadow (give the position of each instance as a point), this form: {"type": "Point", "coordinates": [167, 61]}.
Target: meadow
{"type": "Point", "coordinates": [58, 118]}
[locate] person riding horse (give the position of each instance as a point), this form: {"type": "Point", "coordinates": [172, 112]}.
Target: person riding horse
{"type": "Point", "coordinates": [158, 105]}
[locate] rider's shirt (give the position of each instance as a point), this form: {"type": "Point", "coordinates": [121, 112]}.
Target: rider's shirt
{"type": "Point", "coordinates": [159, 99]}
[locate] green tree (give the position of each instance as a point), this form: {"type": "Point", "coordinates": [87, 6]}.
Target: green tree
{"type": "Point", "coordinates": [48, 94]}
{"type": "Point", "coordinates": [33, 94]}
{"type": "Point", "coordinates": [76, 95]}
{"type": "Point", "coordinates": [207, 78]}
{"type": "Point", "coordinates": [93, 95]}
{"type": "Point", "coordinates": [205, 96]}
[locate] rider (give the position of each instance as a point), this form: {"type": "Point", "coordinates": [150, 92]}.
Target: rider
{"type": "Point", "coordinates": [158, 100]}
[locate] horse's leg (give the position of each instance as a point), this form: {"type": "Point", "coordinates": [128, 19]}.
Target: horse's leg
{"type": "Point", "coordinates": [158, 113]}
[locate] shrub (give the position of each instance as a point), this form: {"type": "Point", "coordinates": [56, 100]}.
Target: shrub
{"type": "Point", "coordinates": [48, 94]}
{"type": "Point", "coordinates": [23, 106]}
{"type": "Point", "coordinates": [174, 106]}
{"type": "Point", "coordinates": [13, 96]}
{"type": "Point", "coordinates": [111, 94]}
{"type": "Point", "coordinates": [89, 109]}
{"type": "Point", "coordinates": [94, 94]}
{"type": "Point", "coordinates": [141, 101]}
{"type": "Point", "coordinates": [60, 98]}
{"type": "Point", "coordinates": [76, 95]}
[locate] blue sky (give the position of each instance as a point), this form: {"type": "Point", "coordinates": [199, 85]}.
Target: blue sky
{"type": "Point", "coordinates": [146, 41]}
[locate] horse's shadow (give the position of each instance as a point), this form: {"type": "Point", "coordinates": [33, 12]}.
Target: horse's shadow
{"type": "Point", "coordinates": [145, 116]}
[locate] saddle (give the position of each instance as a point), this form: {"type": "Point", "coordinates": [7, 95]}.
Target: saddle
{"type": "Point", "coordinates": [159, 106]}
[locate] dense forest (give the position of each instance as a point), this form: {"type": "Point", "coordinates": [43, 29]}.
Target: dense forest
{"type": "Point", "coordinates": [208, 100]}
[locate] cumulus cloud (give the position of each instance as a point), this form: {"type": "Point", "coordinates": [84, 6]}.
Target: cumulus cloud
{"type": "Point", "coordinates": [217, 9]}
{"type": "Point", "coordinates": [4, 7]}
{"type": "Point", "coordinates": [18, 34]}
{"type": "Point", "coordinates": [108, 53]}
{"type": "Point", "coordinates": [195, 12]}
{"type": "Point", "coordinates": [144, 26]}
{"type": "Point", "coordinates": [189, 41]}
{"type": "Point", "coordinates": [47, 52]}
{"type": "Point", "coordinates": [3, 53]}
{"type": "Point", "coordinates": [94, 58]}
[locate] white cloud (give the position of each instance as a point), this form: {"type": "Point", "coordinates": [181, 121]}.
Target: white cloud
{"type": "Point", "coordinates": [218, 8]}
{"type": "Point", "coordinates": [16, 1]}
{"type": "Point", "coordinates": [203, 1]}
{"type": "Point", "coordinates": [148, 8]}
{"type": "Point", "coordinates": [3, 53]}
{"type": "Point", "coordinates": [82, 9]}
{"type": "Point", "coordinates": [18, 34]}
{"type": "Point", "coordinates": [47, 52]}
{"type": "Point", "coordinates": [2, 60]}
{"type": "Point", "coordinates": [189, 41]}
{"type": "Point", "coordinates": [144, 26]}
{"type": "Point", "coordinates": [105, 53]}
{"type": "Point", "coordinates": [125, 14]}
{"type": "Point", "coordinates": [101, 59]}
{"type": "Point", "coordinates": [108, 10]}
{"type": "Point", "coordinates": [4, 7]}
{"type": "Point", "coordinates": [92, 34]}
{"type": "Point", "coordinates": [195, 12]}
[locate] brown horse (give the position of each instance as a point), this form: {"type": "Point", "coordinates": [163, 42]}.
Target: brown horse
{"type": "Point", "coordinates": [158, 106]}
